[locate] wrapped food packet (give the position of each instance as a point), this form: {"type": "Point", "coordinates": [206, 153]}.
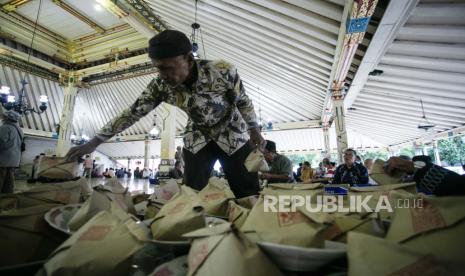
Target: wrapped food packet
{"type": "Point", "coordinates": [181, 214]}
{"type": "Point", "coordinates": [215, 197]}
{"type": "Point", "coordinates": [224, 250]}
{"type": "Point", "coordinates": [256, 162]}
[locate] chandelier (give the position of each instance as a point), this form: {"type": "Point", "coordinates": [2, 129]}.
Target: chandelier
{"type": "Point", "coordinates": [79, 140]}
{"type": "Point", "coordinates": [21, 105]}
{"type": "Point", "coordinates": [194, 36]}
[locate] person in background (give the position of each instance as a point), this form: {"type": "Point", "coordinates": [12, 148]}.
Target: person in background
{"type": "Point", "coordinates": [280, 165]}
{"type": "Point", "coordinates": [368, 164]}
{"type": "Point", "coordinates": [145, 173]}
{"type": "Point", "coordinates": [11, 138]}
{"type": "Point", "coordinates": [178, 155]}
{"type": "Point", "coordinates": [88, 166]}
{"type": "Point", "coordinates": [430, 178]}
{"type": "Point", "coordinates": [136, 173]}
{"type": "Point", "coordinates": [111, 173]}
{"type": "Point", "coordinates": [350, 172]}
{"type": "Point", "coordinates": [176, 172]}
{"type": "Point", "coordinates": [306, 173]}
{"type": "Point", "coordinates": [321, 170]}
{"type": "Point", "coordinates": [298, 174]}
{"type": "Point", "coordinates": [330, 169]}
{"type": "Point", "coordinates": [35, 163]}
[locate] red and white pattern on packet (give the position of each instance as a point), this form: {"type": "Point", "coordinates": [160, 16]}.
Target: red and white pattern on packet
{"type": "Point", "coordinates": [427, 218]}
{"type": "Point", "coordinates": [95, 233]}
{"type": "Point", "coordinates": [198, 254]}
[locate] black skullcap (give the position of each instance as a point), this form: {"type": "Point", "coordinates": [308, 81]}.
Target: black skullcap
{"type": "Point", "coordinates": [168, 44]}
{"type": "Point", "coordinates": [270, 146]}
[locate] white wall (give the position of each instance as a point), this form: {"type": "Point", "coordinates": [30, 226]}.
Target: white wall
{"type": "Point", "coordinates": [36, 146]}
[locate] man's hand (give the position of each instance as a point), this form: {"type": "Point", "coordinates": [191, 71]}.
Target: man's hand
{"type": "Point", "coordinates": [264, 175]}
{"type": "Point", "coordinates": [256, 139]}
{"type": "Point", "coordinates": [396, 163]}
{"type": "Point", "coordinates": [75, 152]}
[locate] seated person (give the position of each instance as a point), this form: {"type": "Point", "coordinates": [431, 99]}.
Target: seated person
{"type": "Point", "coordinates": [306, 174]}
{"type": "Point", "coordinates": [430, 178]}
{"type": "Point", "coordinates": [176, 172]}
{"type": "Point", "coordinates": [330, 169]}
{"type": "Point", "coordinates": [280, 166]}
{"type": "Point", "coordinates": [350, 172]}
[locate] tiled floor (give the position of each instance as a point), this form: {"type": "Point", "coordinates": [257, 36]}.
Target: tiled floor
{"type": "Point", "coordinates": [134, 185]}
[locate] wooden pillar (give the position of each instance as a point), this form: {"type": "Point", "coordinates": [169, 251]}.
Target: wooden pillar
{"type": "Point", "coordinates": [66, 121]}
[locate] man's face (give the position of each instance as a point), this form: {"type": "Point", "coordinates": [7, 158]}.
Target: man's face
{"type": "Point", "coordinates": [269, 155]}
{"type": "Point", "coordinates": [173, 70]}
{"type": "Point", "coordinates": [349, 157]}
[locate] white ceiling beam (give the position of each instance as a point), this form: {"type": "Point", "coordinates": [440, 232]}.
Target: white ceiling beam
{"type": "Point", "coordinates": [374, 99]}
{"type": "Point", "coordinates": [446, 65]}
{"type": "Point", "coordinates": [422, 74]}
{"type": "Point", "coordinates": [297, 125]}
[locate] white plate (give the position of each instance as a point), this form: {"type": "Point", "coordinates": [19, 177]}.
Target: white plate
{"type": "Point", "coordinates": [294, 258]}
{"type": "Point", "coordinates": [59, 217]}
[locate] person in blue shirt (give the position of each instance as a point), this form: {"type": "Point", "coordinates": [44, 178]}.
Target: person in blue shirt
{"type": "Point", "coordinates": [350, 172]}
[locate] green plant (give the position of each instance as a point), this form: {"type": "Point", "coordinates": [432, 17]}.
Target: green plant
{"type": "Point", "coordinates": [452, 150]}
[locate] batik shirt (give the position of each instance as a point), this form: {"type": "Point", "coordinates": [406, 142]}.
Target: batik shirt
{"type": "Point", "coordinates": [216, 104]}
{"type": "Point", "coordinates": [357, 174]}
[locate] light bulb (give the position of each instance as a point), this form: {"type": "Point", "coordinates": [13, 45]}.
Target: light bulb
{"type": "Point", "coordinates": [154, 131]}
{"type": "Point", "coordinates": [43, 99]}
{"type": "Point", "coordinates": [11, 99]}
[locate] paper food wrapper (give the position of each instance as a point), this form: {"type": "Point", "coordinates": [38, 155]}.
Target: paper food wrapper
{"type": "Point", "coordinates": [237, 214]}
{"type": "Point", "coordinates": [176, 267]}
{"type": "Point", "coordinates": [292, 228]}
{"type": "Point", "coordinates": [248, 201]}
{"type": "Point", "coordinates": [369, 255]}
{"type": "Point", "coordinates": [376, 192]}
{"type": "Point", "coordinates": [182, 214]}
{"type": "Point", "coordinates": [103, 246]}
{"type": "Point", "coordinates": [166, 190]}
{"type": "Point", "coordinates": [153, 208]}
{"type": "Point", "coordinates": [256, 162]}
{"type": "Point", "coordinates": [215, 197]}
{"type": "Point", "coordinates": [25, 236]}
{"type": "Point", "coordinates": [56, 168]}
{"type": "Point", "coordinates": [57, 193]}
{"type": "Point", "coordinates": [436, 227]}
{"type": "Point", "coordinates": [382, 178]}
{"type": "Point", "coordinates": [342, 224]}
{"type": "Point", "coordinates": [224, 250]}
{"type": "Point", "coordinates": [101, 200]}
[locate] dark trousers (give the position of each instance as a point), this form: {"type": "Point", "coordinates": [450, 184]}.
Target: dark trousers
{"type": "Point", "coordinates": [198, 168]}
{"type": "Point", "coordinates": [7, 180]}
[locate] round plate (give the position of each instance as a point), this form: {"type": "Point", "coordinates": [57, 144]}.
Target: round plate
{"type": "Point", "coordinates": [59, 217]}
{"type": "Point", "coordinates": [294, 258]}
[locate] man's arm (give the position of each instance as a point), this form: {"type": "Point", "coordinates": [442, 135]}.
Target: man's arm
{"type": "Point", "coordinates": [146, 102]}
{"type": "Point", "coordinates": [285, 173]}
{"type": "Point", "coordinates": [431, 179]}
{"type": "Point", "coordinates": [245, 107]}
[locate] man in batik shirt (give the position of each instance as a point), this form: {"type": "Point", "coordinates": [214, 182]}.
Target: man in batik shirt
{"type": "Point", "coordinates": [221, 116]}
